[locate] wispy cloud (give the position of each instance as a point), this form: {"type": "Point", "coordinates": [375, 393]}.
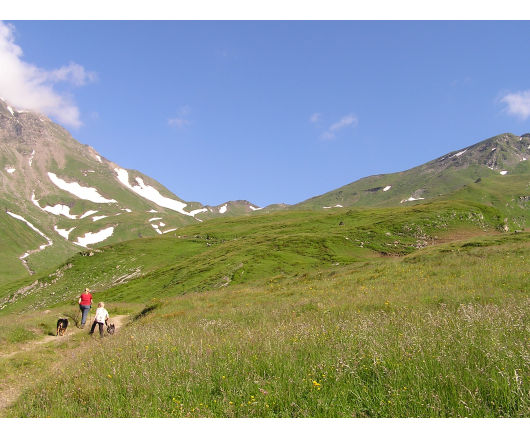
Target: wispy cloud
{"type": "Point", "coordinates": [27, 86]}
{"type": "Point", "coordinates": [347, 120]}
{"type": "Point", "coordinates": [315, 117]}
{"type": "Point", "coordinates": [180, 121]}
{"type": "Point", "coordinates": [73, 73]}
{"type": "Point", "coordinates": [518, 104]}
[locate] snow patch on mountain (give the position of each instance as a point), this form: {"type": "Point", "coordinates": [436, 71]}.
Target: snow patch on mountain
{"type": "Point", "coordinates": [223, 209]}
{"type": "Point", "coordinates": [254, 208]}
{"type": "Point", "coordinates": [199, 210]}
{"type": "Point", "coordinates": [88, 213]}
{"type": "Point", "coordinates": [458, 153]}
{"type": "Point", "coordinates": [334, 206]}
{"type": "Point", "coordinates": [150, 193]}
{"type": "Point", "coordinates": [154, 219]}
{"type": "Point", "coordinates": [63, 232]}
{"type": "Point", "coordinates": [30, 161]}
{"type": "Point", "coordinates": [387, 188]}
{"type": "Point", "coordinates": [128, 210]}
{"type": "Point", "coordinates": [34, 200]}
{"type": "Point", "coordinates": [91, 238]}
{"type": "Point", "coordinates": [503, 172]}
{"type": "Point", "coordinates": [410, 199]}
{"type": "Point", "coordinates": [10, 110]}
{"type": "Point", "coordinates": [98, 158]}
{"type": "Point", "coordinates": [87, 193]}
{"type": "Point", "coordinates": [59, 209]}
{"type": "Point", "coordinates": [10, 169]}
{"type": "Point", "coordinates": [97, 218]}
{"type": "Point", "coordinates": [169, 231]}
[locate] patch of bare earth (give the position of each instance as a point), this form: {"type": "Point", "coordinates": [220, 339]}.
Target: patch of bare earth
{"type": "Point", "coordinates": [463, 234]}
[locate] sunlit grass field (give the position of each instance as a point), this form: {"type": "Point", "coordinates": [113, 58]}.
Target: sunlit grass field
{"type": "Point", "coordinates": [442, 332]}
{"type": "Point", "coordinates": [246, 250]}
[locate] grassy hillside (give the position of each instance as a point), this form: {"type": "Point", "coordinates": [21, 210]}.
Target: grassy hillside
{"type": "Point", "coordinates": [472, 174]}
{"type": "Point", "coordinates": [246, 250]}
{"type": "Point", "coordinates": [17, 238]}
{"type": "Point", "coordinates": [509, 194]}
{"type": "Point", "coordinates": [410, 311]}
{"type": "Point", "coordinates": [440, 332]}
{"type": "Point", "coordinates": [14, 242]}
{"type": "Point", "coordinates": [34, 146]}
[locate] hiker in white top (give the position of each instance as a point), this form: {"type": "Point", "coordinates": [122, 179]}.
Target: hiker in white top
{"type": "Point", "coordinates": [101, 318]}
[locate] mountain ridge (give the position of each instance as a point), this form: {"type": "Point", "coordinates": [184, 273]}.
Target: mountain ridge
{"type": "Point", "coordinates": [55, 189]}
{"type": "Point", "coordinates": [65, 192]}
{"type": "Point", "coordinates": [501, 158]}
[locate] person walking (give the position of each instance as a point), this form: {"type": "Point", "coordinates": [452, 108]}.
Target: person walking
{"type": "Point", "coordinates": [101, 318]}
{"type": "Point", "coordinates": [85, 303]}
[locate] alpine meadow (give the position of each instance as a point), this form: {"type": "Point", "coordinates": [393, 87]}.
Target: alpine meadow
{"type": "Point", "coordinates": [402, 294]}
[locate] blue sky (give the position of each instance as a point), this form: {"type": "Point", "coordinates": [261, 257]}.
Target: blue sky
{"type": "Point", "coordinates": [275, 111]}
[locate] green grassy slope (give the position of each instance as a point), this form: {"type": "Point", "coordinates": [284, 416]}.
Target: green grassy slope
{"type": "Point", "coordinates": [478, 166]}
{"type": "Point", "coordinates": [15, 241]}
{"type": "Point", "coordinates": [245, 250]}
{"type": "Point", "coordinates": [352, 312]}
{"type": "Point", "coordinates": [510, 195]}
{"type": "Point", "coordinates": [17, 238]}
{"type": "Point", "coordinates": [439, 332]}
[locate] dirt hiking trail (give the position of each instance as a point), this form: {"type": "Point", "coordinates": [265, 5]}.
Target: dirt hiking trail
{"type": "Point", "coordinates": [9, 394]}
{"type": "Point", "coordinates": [72, 330]}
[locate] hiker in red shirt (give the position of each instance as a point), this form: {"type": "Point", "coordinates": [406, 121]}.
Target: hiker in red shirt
{"type": "Point", "coordinates": [85, 302]}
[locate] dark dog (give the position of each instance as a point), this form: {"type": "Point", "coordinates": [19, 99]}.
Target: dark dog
{"type": "Point", "coordinates": [111, 329]}
{"type": "Point", "coordinates": [62, 325]}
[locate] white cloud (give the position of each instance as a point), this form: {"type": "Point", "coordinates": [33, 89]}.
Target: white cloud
{"type": "Point", "coordinates": [74, 73]}
{"type": "Point", "coordinates": [347, 120]}
{"type": "Point", "coordinates": [518, 104]}
{"type": "Point", "coordinates": [180, 121]}
{"type": "Point", "coordinates": [27, 86]}
{"type": "Point", "coordinates": [315, 117]}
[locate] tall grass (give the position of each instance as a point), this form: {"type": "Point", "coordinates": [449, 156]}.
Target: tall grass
{"type": "Point", "coordinates": [441, 333]}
